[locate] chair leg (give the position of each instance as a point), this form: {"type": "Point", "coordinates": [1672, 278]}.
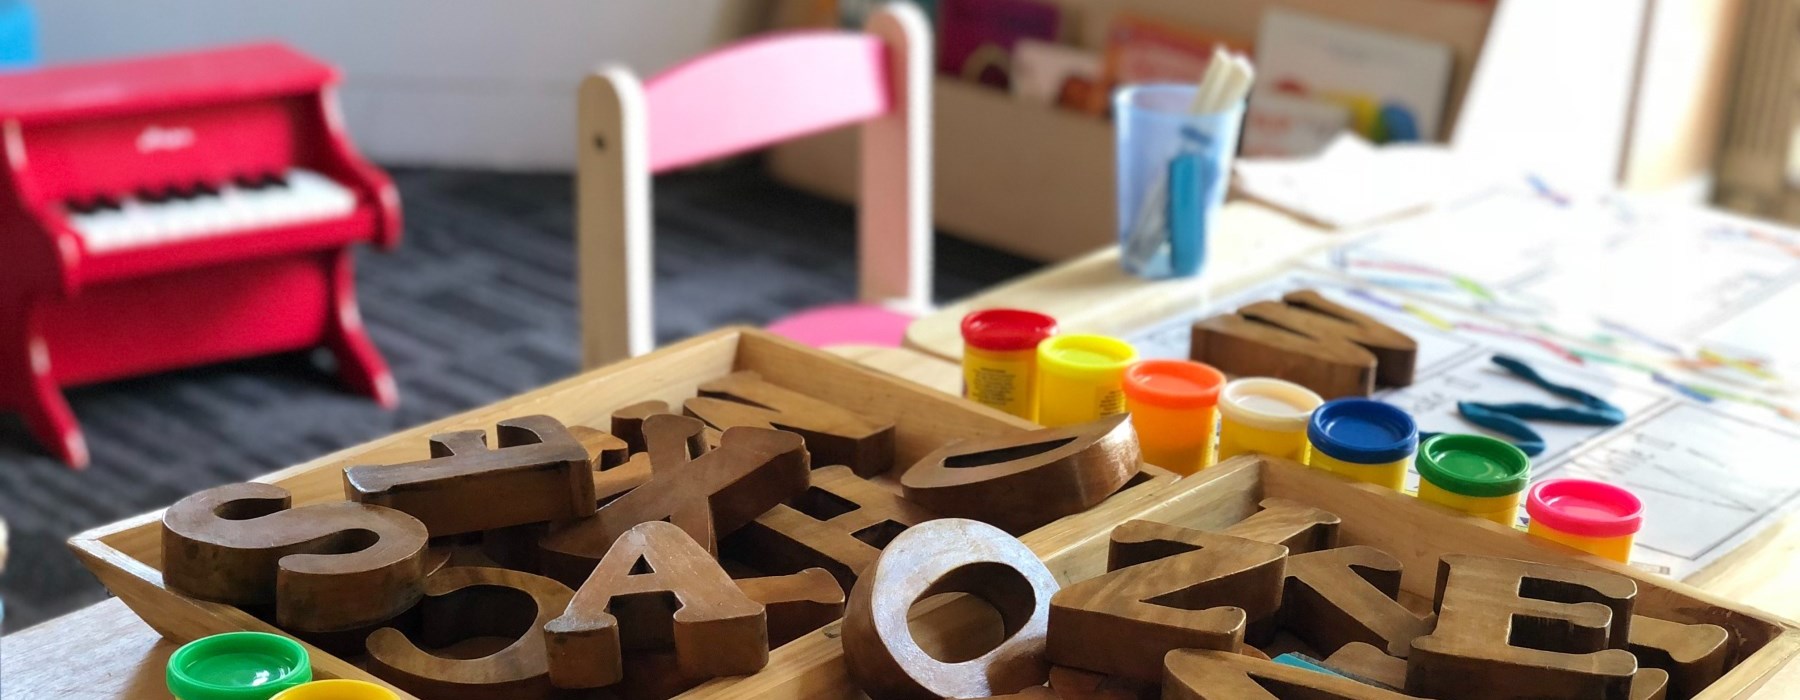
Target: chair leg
{"type": "Point", "coordinates": [27, 386]}
{"type": "Point", "coordinates": [359, 363]}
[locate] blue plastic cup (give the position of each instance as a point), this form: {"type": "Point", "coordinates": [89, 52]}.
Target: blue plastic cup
{"type": "Point", "coordinates": [1173, 166]}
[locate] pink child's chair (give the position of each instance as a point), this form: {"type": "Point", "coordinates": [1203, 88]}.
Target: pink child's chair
{"type": "Point", "coordinates": [742, 97]}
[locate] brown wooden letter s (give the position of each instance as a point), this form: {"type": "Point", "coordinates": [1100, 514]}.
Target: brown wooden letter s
{"type": "Point", "coordinates": [326, 567]}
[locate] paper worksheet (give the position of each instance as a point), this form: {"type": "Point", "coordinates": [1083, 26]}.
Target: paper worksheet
{"type": "Point", "coordinates": [1686, 289]}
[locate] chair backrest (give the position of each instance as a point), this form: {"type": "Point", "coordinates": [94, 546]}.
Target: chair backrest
{"type": "Point", "coordinates": [742, 97]}
{"type": "Point", "coordinates": [764, 91]}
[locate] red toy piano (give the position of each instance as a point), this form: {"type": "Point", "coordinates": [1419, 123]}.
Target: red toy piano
{"type": "Point", "coordinates": [175, 211]}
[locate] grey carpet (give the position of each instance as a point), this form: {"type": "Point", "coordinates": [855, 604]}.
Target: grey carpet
{"type": "Point", "coordinates": [477, 305]}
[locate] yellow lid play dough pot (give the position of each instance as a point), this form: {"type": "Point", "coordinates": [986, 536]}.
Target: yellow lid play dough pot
{"type": "Point", "coordinates": [339, 689]}
{"type": "Point", "coordinates": [1266, 416]}
{"type": "Point", "coordinates": [1081, 378]}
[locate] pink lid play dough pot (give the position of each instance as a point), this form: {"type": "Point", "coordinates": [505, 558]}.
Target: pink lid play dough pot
{"type": "Point", "coordinates": [1589, 515]}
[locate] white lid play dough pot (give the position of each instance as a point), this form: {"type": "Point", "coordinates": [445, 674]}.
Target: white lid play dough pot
{"type": "Point", "coordinates": [1268, 404]}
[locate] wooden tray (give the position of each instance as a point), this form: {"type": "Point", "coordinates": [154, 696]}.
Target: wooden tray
{"type": "Point", "coordinates": [1415, 533]}
{"type": "Point", "coordinates": [127, 555]}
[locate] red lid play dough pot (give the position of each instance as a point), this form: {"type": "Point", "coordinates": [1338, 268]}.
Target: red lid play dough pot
{"type": "Point", "coordinates": [1585, 508]}
{"type": "Point", "coordinates": [1006, 329]}
{"type": "Point", "coordinates": [1000, 358]}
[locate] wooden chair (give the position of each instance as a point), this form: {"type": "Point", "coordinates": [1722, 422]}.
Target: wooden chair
{"type": "Point", "coordinates": [739, 98]}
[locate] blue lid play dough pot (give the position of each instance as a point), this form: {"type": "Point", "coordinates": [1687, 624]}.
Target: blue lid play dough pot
{"type": "Point", "coordinates": [238, 666]}
{"type": "Point", "coordinates": [1362, 431]}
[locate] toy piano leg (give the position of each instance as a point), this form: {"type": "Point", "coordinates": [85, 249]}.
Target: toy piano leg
{"type": "Point", "coordinates": [27, 386]}
{"type": "Point", "coordinates": [360, 366]}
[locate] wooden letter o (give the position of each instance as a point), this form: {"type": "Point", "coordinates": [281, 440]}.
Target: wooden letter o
{"type": "Point", "coordinates": [950, 555]}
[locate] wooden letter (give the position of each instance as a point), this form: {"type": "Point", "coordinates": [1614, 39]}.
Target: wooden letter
{"type": "Point", "coordinates": [1309, 340]}
{"type": "Point", "coordinates": [1193, 674]}
{"type": "Point", "coordinates": [1511, 629]}
{"type": "Point", "coordinates": [1650, 684]}
{"type": "Point", "coordinates": [1166, 588]}
{"type": "Point", "coordinates": [840, 525]}
{"type": "Point", "coordinates": [1694, 655]}
{"type": "Point", "coordinates": [326, 567]}
{"type": "Point", "coordinates": [717, 492]}
{"type": "Point", "coordinates": [951, 555]}
{"type": "Point", "coordinates": [539, 473]}
{"type": "Point", "coordinates": [628, 425]}
{"type": "Point", "coordinates": [796, 604]}
{"type": "Point", "coordinates": [1369, 664]}
{"type": "Point", "coordinates": [1338, 596]}
{"type": "Point", "coordinates": [1299, 527]}
{"type": "Point", "coordinates": [656, 589]}
{"type": "Point", "coordinates": [464, 603]}
{"type": "Point", "coordinates": [834, 435]}
{"type": "Point", "coordinates": [1021, 481]}
{"type": "Point", "coordinates": [604, 450]}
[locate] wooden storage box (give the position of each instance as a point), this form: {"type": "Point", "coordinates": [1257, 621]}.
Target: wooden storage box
{"type": "Point", "coordinates": [1038, 181]}
{"type": "Point", "coordinates": [126, 556]}
{"type": "Point", "coordinates": [1415, 533]}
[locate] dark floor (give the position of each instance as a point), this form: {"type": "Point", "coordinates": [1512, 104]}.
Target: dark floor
{"type": "Point", "coordinates": [478, 304]}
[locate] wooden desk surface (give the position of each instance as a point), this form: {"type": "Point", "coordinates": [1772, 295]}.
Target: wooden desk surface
{"type": "Point", "coordinates": [1093, 294]}
{"type": "Point", "coordinates": [105, 651]}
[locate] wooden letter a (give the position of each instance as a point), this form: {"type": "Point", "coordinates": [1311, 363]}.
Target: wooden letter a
{"type": "Point", "coordinates": [654, 589]}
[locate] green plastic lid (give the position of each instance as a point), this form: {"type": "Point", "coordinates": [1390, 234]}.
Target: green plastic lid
{"type": "Point", "coordinates": [238, 666]}
{"type": "Point", "coordinates": [1473, 465]}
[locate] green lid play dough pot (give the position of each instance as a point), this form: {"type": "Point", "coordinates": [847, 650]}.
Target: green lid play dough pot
{"type": "Point", "coordinates": [1473, 465]}
{"type": "Point", "coordinates": [238, 666]}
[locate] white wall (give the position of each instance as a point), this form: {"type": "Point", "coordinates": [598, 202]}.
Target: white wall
{"type": "Point", "coordinates": [1552, 90]}
{"type": "Point", "coordinates": [480, 83]}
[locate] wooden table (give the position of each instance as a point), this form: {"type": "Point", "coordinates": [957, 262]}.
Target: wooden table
{"type": "Point", "coordinates": [105, 651]}
{"type": "Point", "coordinates": [1093, 294]}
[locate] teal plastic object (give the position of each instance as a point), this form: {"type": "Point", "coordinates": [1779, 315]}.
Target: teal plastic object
{"type": "Point", "coordinates": [18, 35]}
{"type": "Point", "coordinates": [1299, 661]}
{"type": "Point", "coordinates": [238, 666]}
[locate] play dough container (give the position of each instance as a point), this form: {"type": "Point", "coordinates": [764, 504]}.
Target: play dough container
{"type": "Point", "coordinates": [1365, 440]}
{"type": "Point", "coordinates": [1259, 415]}
{"type": "Point", "coordinates": [1081, 378]}
{"type": "Point", "coordinates": [237, 666]}
{"type": "Point", "coordinates": [1475, 474]}
{"type": "Point", "coordinates": [1588, 515]}
{"type": "Point", "coordinates": [1174, 408]}
{"type": "Point", "coordinates": [1000, 358]}
{"type": "Point", "coordinates": [340, 689]}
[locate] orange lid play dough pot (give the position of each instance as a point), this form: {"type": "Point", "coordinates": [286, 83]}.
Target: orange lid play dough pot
{"type": "Point", "coordinates": [1173, 408]}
